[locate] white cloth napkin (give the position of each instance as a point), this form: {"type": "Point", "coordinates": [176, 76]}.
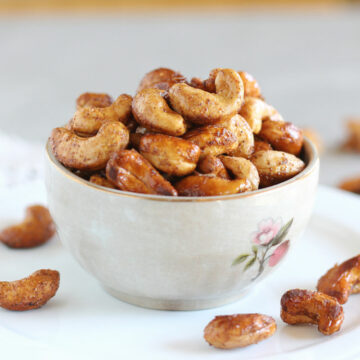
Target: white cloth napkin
{"type": "Point", "coordinates": [21, 161]}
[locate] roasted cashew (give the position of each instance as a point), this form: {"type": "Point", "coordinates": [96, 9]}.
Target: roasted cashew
{"type": "Point", "coordinates": [99, 180]}
{"type": "Point", "coordinates": [212, 140]}
{"type": "Point", "coordinates": [255, 111]}
{"type": "Point", "coordinates": [36, 229]}
{"type": "Point", "coordinates": [260, 144]}
{"type": "Point", "coordinates": [312, 307]}
{"type": "Point", "coordinates": [242, 169]}
{"type": "Point", "coordinates": [170, 154]}
{"type": "Point", "coordinates": [283, 136]}
{"type": "Point", "coordinates": [233, 331]}
{"type": "Point", "coordinates": [88, 120]}
{"type": "Point", "coordinates": [89, 153]}
{"type": "Point", "coordinates": [239, 126]}
{"type": "Point", "coordinates": [202, 107]}
{"type": "Point", "coordinates": [276, 166]}
{"type": "Point", "coordinates": [209, 185]}
{"type": "Point", "coordinates": [151, 110]}
{"type": "Point", "coordinates": [90, 100]}
{"type": "Point", "coordinates": [341, 280]}
{"type": "Point", "coordinates": [251, 86]}
{"type": "Point", "coordinates": [29, 293]}
{"type": "Point", "coordinates": [161, 78]}
{"type": "Point", "coordinates": [212, 165]}
{"type": "Point", "coordinates": [130, 171]}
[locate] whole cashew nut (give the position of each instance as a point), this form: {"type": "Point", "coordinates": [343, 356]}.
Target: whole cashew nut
{"type": "Point", "coordinates": [130, 171]}
{"type": "Point", "coordinates": [255, 111]}
{"type": "Point", "coordinates": [89, 153]}
{"type": "Point", "coordinates": [233, 331]}
{"type": "Point", "coordinates": [204, 108]}
{"type": "Point", "coordinates": [90, 100]}
{"type": "Point", "coordinates": [276, 166]}
{"type": "Point", "coordinates": [151, 110]}
{"type": "Point", "coordinates": [283, 136]}
{"type": "Point", "coordinates": [88, 120]}
{"type": "Point", "coordinates": [341, 280]}
{"type": "Point", "coordinates": [170, 154]}
{"type": "Point", "coordinates": [29, 293]}
{"type": "Point", "coordinates": [161, 78]}
{"type": "Point", "coordinates": [312, 307]}
{"type": "Point", "coordinates": [211, 164]}
{"type": "Point", "coordinates": [209, 185]}
{"type": "Point", "coordinates": [242, 169]}
{"type": "Point", "coordinates": [36, 229]}
{"type": "Point", "coordinates": [251, 86]}
{"type": "Point", "coordinates": [212, 140]}
{"type": "Point", "coordinates": [245, 137]}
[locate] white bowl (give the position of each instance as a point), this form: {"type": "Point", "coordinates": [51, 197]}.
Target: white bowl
{"type": "Point", "coordinates": [177, 253]}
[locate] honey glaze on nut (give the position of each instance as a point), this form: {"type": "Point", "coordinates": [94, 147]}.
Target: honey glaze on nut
{"type": "Point", "coordinates": [185, 137]}
{"type": "Point", "coordinates": [341, 280]}
{"type": "Point", "coordinates": [312, 307]}
{"type": "Point", "coordinates": [232, 331]}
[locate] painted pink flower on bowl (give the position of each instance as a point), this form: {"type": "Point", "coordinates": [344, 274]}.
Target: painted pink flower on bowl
{"type": "Point", "coordinates": [267, 230]}
{"type": "Point", "coordinates": [279, 253]}
{"type": "Point", "coordinates": [271, 246]}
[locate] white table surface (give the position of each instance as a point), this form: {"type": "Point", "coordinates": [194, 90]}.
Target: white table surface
{"type": "Point", "coordinates": [308, 64]}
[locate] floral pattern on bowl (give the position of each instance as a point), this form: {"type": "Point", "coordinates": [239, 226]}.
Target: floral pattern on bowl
{"type": "Point", "coordinates": [269, 245]}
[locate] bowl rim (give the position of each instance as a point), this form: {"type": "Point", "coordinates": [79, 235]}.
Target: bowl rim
{"type": "Point", "coordinates": [309, 148]}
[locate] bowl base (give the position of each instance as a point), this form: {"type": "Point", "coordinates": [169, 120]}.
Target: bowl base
{"type": "Point", "coordinates": [164, 304]}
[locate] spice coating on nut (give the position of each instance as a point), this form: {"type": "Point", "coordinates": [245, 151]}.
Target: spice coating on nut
{"type": "Point", "coordinates": [36, 229]}
{"type": "Point", "coordinates": [178, 129]}
{"type": "Point", "coordinates": [204, 108]}
{"type": "Point", "coordinates": [161, 78]}
{"type": "Point", "coordinates": [283, 136]}
{"type": "Point", "coordinates": [88, 120]}
{"type": "Point", "coordinates": [130, 171]}
{"type": "Point", "coordinates": [276, 166]}
{"type": "Point", "coordinates": [31, 292]}
{"type": "Point", "coordinates": [172, 155]}
{"type": "Point", "coordinates": [151, 110]}
{"type": "Point", "coordinates": [89, 153]}
{"type": "Point", "coordinates": [208, 185]}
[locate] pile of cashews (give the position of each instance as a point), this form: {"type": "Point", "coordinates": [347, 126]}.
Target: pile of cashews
{"type": "Point", "coordinates": [179, 137]}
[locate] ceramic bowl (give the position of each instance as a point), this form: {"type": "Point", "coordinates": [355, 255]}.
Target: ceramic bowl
{"type": "Point", "coordinates": [180, 253]}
